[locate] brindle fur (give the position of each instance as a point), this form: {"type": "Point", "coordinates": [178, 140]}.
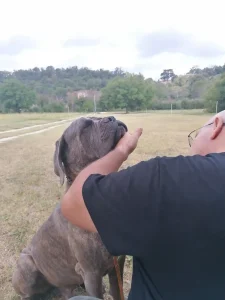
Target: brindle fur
{"type": "Point", "coordinates": [60, 254]}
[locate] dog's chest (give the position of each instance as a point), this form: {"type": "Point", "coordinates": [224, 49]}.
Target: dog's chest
{"type": "Point", "coordinates": [89, 247]}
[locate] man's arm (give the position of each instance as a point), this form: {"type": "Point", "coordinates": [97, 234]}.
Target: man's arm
{"type": "Point", "coordinates": [73, 206]}
{"type": "Point", "coordinates": [150, 208]}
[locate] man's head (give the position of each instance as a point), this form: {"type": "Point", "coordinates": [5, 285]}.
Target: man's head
{"type": "Point", "coordinates": [210, 138]}
{"type": "Point", "coordinates": [84, 141]}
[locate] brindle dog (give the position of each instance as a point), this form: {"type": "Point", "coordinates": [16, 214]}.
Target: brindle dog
{"type": "Point", "coordinates": [60, 254]}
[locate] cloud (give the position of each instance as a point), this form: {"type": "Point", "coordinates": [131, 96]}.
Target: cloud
{"type": "Point", "coordinates": [172, 41]}
{"type": "Point", "coordinates": [8, 63]}
{"type": "Point", "coordinates": [82, 42]}
{"type": "Point", "coordinates": [15, 45]}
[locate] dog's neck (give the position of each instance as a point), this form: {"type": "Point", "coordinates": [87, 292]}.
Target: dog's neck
{"type": "Point", "coordinates": [69, 180]}
{"type": "Point", "coordinates": [71, 176]}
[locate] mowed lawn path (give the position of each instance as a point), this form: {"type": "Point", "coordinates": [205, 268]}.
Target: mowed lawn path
{"type": "Point", "coordinates": [19, 124]}
{"type": "Point", "coordinates": [29, 189]}
{"type": "Point", "coordinates": [15, 121]}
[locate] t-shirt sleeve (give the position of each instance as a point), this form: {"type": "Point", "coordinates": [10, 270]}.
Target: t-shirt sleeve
{"type": "Point", "coordinates": [152, 203]}
{"type": "Point", "coordinates": [123, 204]}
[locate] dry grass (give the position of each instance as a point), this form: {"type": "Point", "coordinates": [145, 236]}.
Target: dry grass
{"type": "Point", "coordinates": [27, 130]}
{"type": "Point", "coordinates": [13, 121]}
{"type": "Point", "coordinates": [29, 190]}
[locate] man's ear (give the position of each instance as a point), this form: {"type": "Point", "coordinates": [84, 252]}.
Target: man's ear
{"type": "Point", "coordinates": [58, 162]}
{"type": "Point", "coordinates": [217, 127]}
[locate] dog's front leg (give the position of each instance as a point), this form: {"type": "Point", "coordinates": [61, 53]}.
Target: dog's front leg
{"type": "Point", "coordinates": [92, 281]}
{"type": "Point", "coordinates": [93, 284]}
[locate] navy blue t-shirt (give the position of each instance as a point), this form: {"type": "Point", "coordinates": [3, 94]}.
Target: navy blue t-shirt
{"type": "Point", "coordinates": [169, 214]}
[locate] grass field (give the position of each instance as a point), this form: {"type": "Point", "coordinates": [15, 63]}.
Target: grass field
{"type": "Point", "coordinates": [15, 121]}
{"type": "Point", "coordinates": [29, 189]}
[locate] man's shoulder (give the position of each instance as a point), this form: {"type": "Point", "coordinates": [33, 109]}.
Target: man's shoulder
{"type": "Point", "coordinates": [190, 167]}
{"type": "Point", "coordinates": [190, 158]}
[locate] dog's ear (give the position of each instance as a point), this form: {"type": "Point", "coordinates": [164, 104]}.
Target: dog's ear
{"type": "Point", "coordinates": [58, 161]}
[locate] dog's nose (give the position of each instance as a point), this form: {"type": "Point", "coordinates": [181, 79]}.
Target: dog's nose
{"type": "Point", "coordinates": [111, 118]}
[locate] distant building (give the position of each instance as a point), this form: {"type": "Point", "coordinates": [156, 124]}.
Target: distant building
{"type": "Point", "coordinates": [88, 94]}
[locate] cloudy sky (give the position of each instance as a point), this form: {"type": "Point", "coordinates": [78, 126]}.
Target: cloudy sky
{"type": "Point", "coordinates": [142, 36]}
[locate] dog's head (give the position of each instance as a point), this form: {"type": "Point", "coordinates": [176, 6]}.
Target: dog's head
{"type": "Point", "coordinates": [84, 141]}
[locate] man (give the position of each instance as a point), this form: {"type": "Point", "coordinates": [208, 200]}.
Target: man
{"type": "Point", "coordinates": [168, 213]}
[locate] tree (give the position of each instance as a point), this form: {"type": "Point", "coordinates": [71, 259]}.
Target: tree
{"type": "Point", "coordinates": [61, 92]}
{"type": "Point", "coordinates": [49, 81]}
{"type": "Point", "coordinates": [53, 107]}
{"type": "Point", "coordinates": [197, 86]}
{"type": "Point", "coordinates": [167, 75]}
{"type": "Point", "coordinates": [161, 91]}
{"type": "Point", "coordinates": [131, 92]}
{"type": "Point", "coordinates": [84, 104]}
{"type": "Point", "coordinates": [16, 97]}
{"type": "Point", "coordinates": [50, 71]}
{"type": "Point", "coordinates": [195, 70]}
{"type": "Point", "coordinates": [208, 71]}
{"type": "Point", "coordinates": [216, 93]}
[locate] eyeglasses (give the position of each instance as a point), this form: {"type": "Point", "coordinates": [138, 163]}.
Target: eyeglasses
{"type": "Point", "coordinates": [194, 133]}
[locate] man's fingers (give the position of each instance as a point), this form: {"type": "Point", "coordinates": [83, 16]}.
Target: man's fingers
{"type": "Point", "coordinates": [138, 132]}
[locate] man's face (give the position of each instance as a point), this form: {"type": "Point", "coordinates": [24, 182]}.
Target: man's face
{"type": "Point", "coordinates": [201, 141]}
{"type": "Point", "coordinates": [210, 137]}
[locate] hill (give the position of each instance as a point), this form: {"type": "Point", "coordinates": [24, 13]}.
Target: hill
{"type": "Point", "coordinates": [80, 89]}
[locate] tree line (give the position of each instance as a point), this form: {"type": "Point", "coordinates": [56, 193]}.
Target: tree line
{"type": "Point", "coordinates": [48, 89]}
{"type": "Point", "coordinates": [54, 90]}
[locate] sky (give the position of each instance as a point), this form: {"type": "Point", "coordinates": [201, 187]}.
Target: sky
{"type": "Point", "coordinates": [139, 36]}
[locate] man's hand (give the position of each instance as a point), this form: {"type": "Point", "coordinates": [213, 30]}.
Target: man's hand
{"type": "Point", "coordinates": [129, 142]}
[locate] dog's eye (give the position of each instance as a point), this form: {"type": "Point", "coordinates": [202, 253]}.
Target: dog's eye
{"type": "Point", "coordinates": [108, 119]}
{"type": "Point", "coordinates": [88, 122]}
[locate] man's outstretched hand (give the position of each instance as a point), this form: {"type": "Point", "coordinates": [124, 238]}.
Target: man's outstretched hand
{"type": "Point", "coordinates": [129, 142]}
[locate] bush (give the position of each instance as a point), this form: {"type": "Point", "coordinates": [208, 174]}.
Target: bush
{"type": "Point", "coordinates": [84, 105]}
{"type": "Point", "coordinates": [35, 109]}
{"type": "Point", "coordinates": [216, 93]}
{"type": "Point", "coordinates": [184, 104]}
{"type": "Point", "coordinates": [53, 107]}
